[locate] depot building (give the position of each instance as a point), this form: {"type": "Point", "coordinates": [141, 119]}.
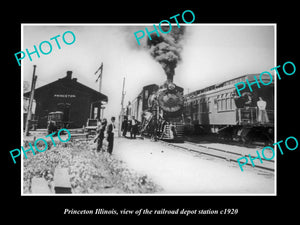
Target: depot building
{"type": "Point", "coordinates": [77, 101]}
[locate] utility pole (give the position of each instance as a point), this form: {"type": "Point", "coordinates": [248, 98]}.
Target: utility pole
{"type": "Point", "coordinates": [34, 77]}
{"type": "Point", "coordinates": [100, 88]}
{"type": "Point", "coordinates": [122, 109]}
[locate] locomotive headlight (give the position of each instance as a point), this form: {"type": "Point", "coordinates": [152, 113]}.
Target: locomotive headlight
{"type": "Point", "coordinates": [171, 86]}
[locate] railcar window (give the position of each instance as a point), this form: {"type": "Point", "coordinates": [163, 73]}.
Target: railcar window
{"type": "Point", "coordinates": [228, 103]}
{"type": "Point", "coordinates": [232, 104]}
{"type": "Point", "coordinates": [224, 102]}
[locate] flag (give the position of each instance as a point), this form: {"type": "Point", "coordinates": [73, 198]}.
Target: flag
{"type": "Point", "coordinates": [100, 68]}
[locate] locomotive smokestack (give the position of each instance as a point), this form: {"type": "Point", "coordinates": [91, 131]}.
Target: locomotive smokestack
{"type": "Point", "coordinates": [166, 49]}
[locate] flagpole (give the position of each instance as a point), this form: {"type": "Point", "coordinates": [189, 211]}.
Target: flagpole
{"type": "Point", "coordinates": [100, 76]}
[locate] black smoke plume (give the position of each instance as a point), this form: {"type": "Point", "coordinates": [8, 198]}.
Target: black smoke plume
{"type": "Point", "coordinates": [166, 49]}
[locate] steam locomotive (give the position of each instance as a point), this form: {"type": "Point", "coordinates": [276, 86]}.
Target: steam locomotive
{"type": "Point", "coordinates": [159, 109]}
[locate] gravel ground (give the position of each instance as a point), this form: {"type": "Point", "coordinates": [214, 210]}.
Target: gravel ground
{"type": "Point", "coordinates": [141, 166]}
{"type": "Point", "coordinates": [90, 172]}
{"type": "Point", "coordinates": [182, 172]}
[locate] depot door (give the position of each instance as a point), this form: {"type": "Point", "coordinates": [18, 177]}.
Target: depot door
{"type": "Point", "coordinates": [65, 108]}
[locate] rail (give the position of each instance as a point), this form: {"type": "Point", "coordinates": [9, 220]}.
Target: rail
{"type": "Point", "coordinates": [228, 155]}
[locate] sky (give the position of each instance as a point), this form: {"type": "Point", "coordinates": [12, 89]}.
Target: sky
{"type": "Point", "coordinates": [211, 53]}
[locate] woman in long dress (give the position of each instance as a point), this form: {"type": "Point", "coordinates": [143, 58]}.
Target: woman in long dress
{"type": "Point", "coordinates": [262, 113]}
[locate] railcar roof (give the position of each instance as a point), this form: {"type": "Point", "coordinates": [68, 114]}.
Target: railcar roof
{"type": "Point", "coordinates": [229, 83]}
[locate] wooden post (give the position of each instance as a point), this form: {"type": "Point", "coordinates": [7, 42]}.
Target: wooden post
{"type": "Point", "coordinates": [34, 78]}
{"type": "Point", "coordinates": [121, 113]}
{"type": "Point", "coordinates": [102, 111]}
{"type": "Point", "coordinates": [100, 116]}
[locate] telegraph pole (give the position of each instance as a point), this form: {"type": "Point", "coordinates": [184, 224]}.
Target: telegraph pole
{"type": "Point", "coordinates": [122, 109]}
{"type": "Point", "coordinates": [34, 78]}
{"type": "Point", "coordinates": [100, 88]}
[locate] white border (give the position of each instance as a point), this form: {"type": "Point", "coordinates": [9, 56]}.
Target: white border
{"type": "Point", "coordinates": [149, 24]}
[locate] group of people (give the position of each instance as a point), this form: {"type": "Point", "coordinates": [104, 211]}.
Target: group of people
{"type": "Point", "coordinates": [130, 126]}
{"type": "Point", "coordinates": [105, 130]}
{"type": "Point", "coordinates": [247, 100]}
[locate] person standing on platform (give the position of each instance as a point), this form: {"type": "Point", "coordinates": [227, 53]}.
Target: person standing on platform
{"type": "Point", "coordinates": [262, 113]}
{"type": "Point", "coordinates": [97, 135]}
{"type": "Point", "coordinates": [153, 129]}
{"type": "Point", "coordinates": [134, 128]}
{"type": "Point", "coordinates": [124, 126]}
{"type": "Point", "coordinates": [110, 135]}
{"type": "Point", "coordinates": [129, 123]}
{"type": "Point", "coordinates": [100, 134]}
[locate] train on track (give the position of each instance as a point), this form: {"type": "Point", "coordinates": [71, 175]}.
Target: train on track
{"type": "Point", "coordinates": [169, 114]}
{"type": "Point", "coordinates": [159, 109]}
{"type": "Point", "coordinates": [219, 109]}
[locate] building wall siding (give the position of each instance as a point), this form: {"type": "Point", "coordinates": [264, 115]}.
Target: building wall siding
{"type": "Point", "coordinates": [66, 95]}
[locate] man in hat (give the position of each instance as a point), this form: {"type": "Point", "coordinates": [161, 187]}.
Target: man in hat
{"type": "Point", "coordinates": [124, 127]}
{"type": "Point", "coordinates": [110, 135]}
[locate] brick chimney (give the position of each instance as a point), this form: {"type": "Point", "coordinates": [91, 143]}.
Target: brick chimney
{"type": "Point", "coordinates": [69, 75]}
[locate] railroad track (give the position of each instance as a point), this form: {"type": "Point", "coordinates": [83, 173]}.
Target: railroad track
{"type": "Point", "coordinates": [231, 156]}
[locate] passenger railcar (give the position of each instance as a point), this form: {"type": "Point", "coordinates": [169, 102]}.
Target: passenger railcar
{"type": "Point", "coordinates": [219, 109]}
